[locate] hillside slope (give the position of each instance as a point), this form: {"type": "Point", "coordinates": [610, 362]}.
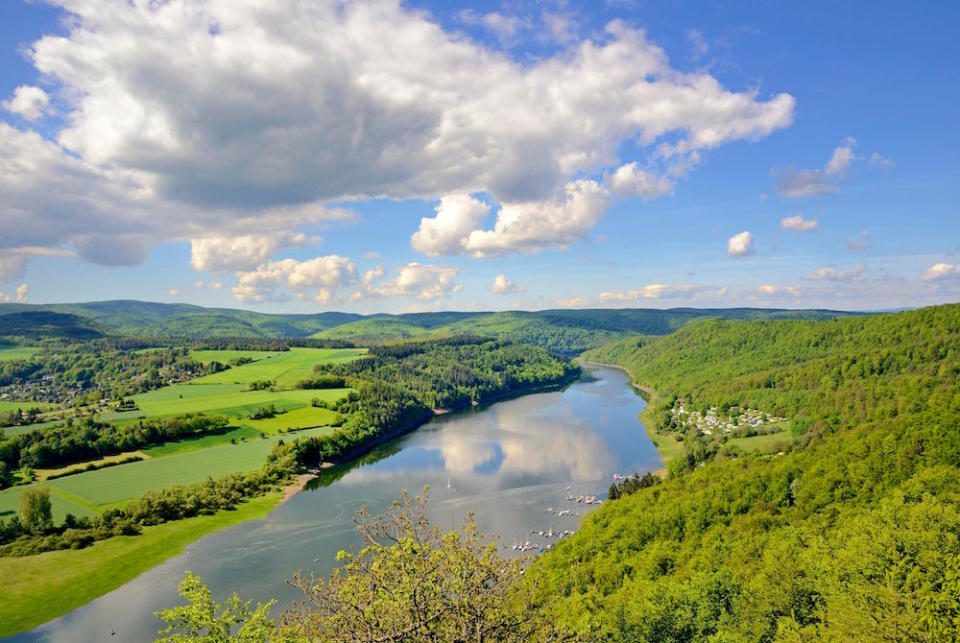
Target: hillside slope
{"type": "Point", "coordinates": [852, 534]}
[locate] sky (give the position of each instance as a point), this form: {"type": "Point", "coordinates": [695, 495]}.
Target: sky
{"type": "Point", "coordinates": [290, 156]}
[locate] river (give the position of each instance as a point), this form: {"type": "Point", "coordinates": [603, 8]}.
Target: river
{"type": "Point", "coordinates": [506, 462]}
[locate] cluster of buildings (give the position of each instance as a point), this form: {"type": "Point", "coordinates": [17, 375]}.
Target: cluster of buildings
{"type": "Point", "coordinates": [711, 422]}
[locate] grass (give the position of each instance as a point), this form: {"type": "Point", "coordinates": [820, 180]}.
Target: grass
{"type": "Point", "coordinates": [285, 368]}
{"type": "Point", "coordinates": [226, 356]}
{"type": "Point", "coordinates": [114, 485]}
{"type": "Point", "coordinates": [204, 442]}
{"type": "Point", "coordinates": [62, 504]}
{"type": "Point", "coordinates": [301, 418]}
{"type": "Point", "coordinates": [17, 352]}
{"type": "Point", "coordinates": [763, 443]}
{"type": "Point", "coordinates": [39, 588]}
{"type": "Point", "coordinates": [12, 405]}
{"type": "Point", "coordinates": [232, 400]}
{"type": "Point", "coordinates": [43, 474]}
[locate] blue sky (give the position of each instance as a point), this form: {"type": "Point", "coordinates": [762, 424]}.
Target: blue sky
{"type": "Point", "coordinates": [277, 158]}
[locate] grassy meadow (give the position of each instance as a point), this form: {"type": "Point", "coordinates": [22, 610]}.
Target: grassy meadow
{"type": "Point", "coordinates": [17, 352]}
{"type": "Point", "coordinates": [39, 588]}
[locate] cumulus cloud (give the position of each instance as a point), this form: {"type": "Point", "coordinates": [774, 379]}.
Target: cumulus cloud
{"type": "Point", "coordinates": [422, 281]}
{"type": "Point", "coordinates": [28, 102]}
{"type": "Point", "coordinates": [113, 250]}
{"type": "Point", "coordinates": [252, 119]}
{"type": "Point", "coordinates": [320, 278]}
{"type": "Point", "coordinates": [173, 292]}
{"type": "Point", "coordinates": [940, 271]}
{"type": "Point", "coordinates": [535, 225]}
{"type": "Point", "coordinates": [245, 252]}
{"type": "Point", "coordinates": [503, 286]}
{"type": "Point", "coordinates": [457, 215]}
{"type": "Point", "coordinates": [503, 26]}
{"type": "Point", "coordinates": [879, 160]}
{"type": "Point", "coordinates": [796, 184]}
{"type": "Point", "coordinates": [654, 291]}
{"type": "Point", "coordinates": [740, 245]}
{"type": "Point", "coordinates": [12, 267]}
{"type": "Point", "coordinates": [771, 290]}
{"type": "Point", "coordinates": [570, 302]}
{"type": "Point", "coordinates": [630, 180]}
{"type": "Point", "coordinates": [22, 291]}
{"type": "Point", "coordinates": [799, 224]}
{"type": "Point", "coordinates": [831, 273]}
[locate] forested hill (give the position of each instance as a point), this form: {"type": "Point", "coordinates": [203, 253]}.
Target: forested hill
{"type": "Point", "coordinates": [852, 533]}
{"type": "Point", "coordinates": [568, 332]}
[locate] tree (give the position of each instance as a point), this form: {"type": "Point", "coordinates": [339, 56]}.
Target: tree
{"type": "Point", "coordinates": [35, 511]}
{"type": "Point", "coordinates": [411, 582]}
{"type": "Point", "coordinates": [203, 621]}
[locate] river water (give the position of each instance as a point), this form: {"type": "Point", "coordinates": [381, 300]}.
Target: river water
{"type": "Point", "coordinates": [506, 462]}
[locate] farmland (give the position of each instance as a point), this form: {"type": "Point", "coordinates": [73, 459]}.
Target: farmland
{"type": "Point", "coordinates": [17, 352]}
{"type": "Point", "coordinates": [284, 368]}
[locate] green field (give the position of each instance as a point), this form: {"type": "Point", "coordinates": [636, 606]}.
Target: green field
{"type": "Point", "coordinates": [91, 491]}
{"type": "Point", "coordinates": [226, 356]}
{"type": "Point", "coordinates": [17, 352]}
{"type": "Point", "coordinates": [204, 442]}
{"type": "Point", "coordinates": [128, 481]}
{"type": "Point", "coordinates": [39, 588]}
{"type": "Point", "coordinates": [284, 368]}
{"type": "Point", "coordinates": [763, 443]}
{"type": "Point", "coordinates": [12, 405]}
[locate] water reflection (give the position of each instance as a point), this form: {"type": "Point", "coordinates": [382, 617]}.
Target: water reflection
{"type": "Point", "coordinates": [506, 463]}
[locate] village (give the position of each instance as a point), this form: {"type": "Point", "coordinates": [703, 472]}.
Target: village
{"type": "Point", "coordinates": [737, 420]}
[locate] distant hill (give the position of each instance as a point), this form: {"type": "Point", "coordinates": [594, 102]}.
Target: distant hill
{"type": "Point", "coordinates": [39, 324]}
{"type": "Point", "coordinates": [564, 331]}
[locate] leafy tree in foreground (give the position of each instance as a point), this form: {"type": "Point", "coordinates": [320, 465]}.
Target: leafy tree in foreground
{"type": "Point", "coordinates": [203, 620]}
{"type": "Point", "coordinates": [408, 582]}
{"type": "Point", "coordinates": [412, 582]}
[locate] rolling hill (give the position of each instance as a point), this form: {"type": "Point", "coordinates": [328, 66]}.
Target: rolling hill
{"type": "Point", "coordinates": [569, 332]}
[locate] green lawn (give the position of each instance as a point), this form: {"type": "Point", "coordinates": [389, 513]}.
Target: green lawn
{"type": "Point", "coordinates": [301, 418]}
{"type": "Point", "coordinates": [39, 588]}
{"type": "Point", "coordinates": [227, 356]}
{"type": "Point", "coordinates": [17, 352]}
{"type": "Point", "coordinates": [127, 481]}
{"type": "Point", "coordinates": [763, 443]}
{"type": "Point", "coordinates": [233, 400]}
{"type": "Point", "coordinates": [61, 504]}
{"type": "Point", "coordinates": [12, 405]}
{"type": "Point", "coordinates": [285, 368]}
{"type": "Point", "coordinates": [204, 442]}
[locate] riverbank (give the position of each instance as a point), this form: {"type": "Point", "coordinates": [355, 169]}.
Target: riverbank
{"type": "Point", "coordinates": [39, 588]}
{"type": "Point", "coordinates": [667, 447]}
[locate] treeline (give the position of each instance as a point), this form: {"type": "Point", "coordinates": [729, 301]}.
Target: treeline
{"type": "Point", "coordinates": [33, 531]}
{"type": "Point", "coordinates": [90, 439]}
{"type": "Point", "coordinates": [850, 535]}
{"type": "Point", "coordinates": [456, 372]}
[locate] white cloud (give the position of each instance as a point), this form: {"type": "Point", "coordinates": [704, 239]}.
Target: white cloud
{"type": "Point", "coordinates": [173, 292]}
{"type": "Point", "coordinates": [698, 44]}
{"type": "Point", "coordinates": [503, 286]}
{"type": "Point", "coordinates": [536, 225]}
{"type": "Point", "coordinates": [371, 256]}
{"type": "Point", "coordinates": [654, 291]}
{"type": "Point", "coordinates": [12, 267]}
{"type": "Point", "coordinates": [570, 302]}
{"type": "Point", "coordinates": [457, 215]}
{"type": "Point", "coordinates": [198, 284]}
{"type": "Point", "coordinates": [422, 281]}
{"type": "Point", "coordinates": [28, 102]}
{"type": "Point", "coordinates": [740, 245]}
{"type": "Point", "coordinates": [214, 285]}
{"type": "Point", "coordinates": [320, 277]}
{"type": "Point", "coordinates": [878, 160]}
{"type": "Point", "coordinates": [940, 271]}
{"type": "Point", "coordinates": [252, 120]}
{"type": "Point", "coordinates": [796, 184]}
{"type": "Point", "coordinates": [504, 27]}
{"type": "Point", "coordinates": [831, 273]}
{"type": "Point", "coordinates": [245, 252]}
{"type": "Point", "coordinates": [629, 180]}
{"type": "Point", "coordinates": [799, 224]}
{"type": "Point", "coordinates": [22, 291]}
{"type": "Point", "coordinates": [771, 290]}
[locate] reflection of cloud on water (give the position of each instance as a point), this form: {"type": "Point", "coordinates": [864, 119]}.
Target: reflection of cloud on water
{"type": "Point", "coordinates": [536, 436]}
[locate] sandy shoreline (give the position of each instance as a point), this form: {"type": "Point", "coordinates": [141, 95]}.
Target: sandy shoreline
{"type": "Point", "coordinates": [296, 487]}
